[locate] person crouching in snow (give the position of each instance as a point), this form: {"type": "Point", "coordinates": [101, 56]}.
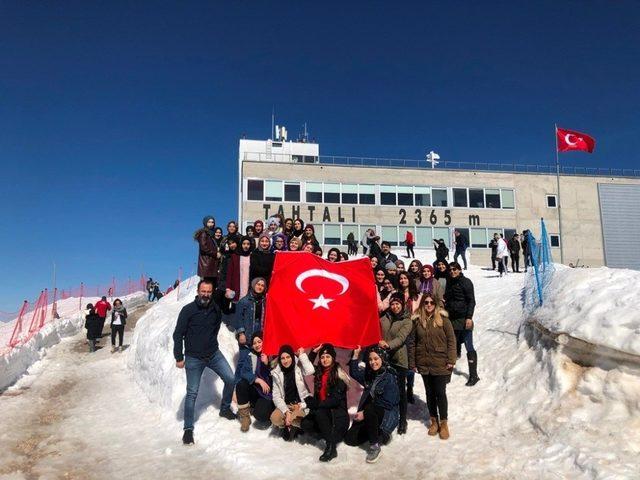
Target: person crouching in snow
{"type": "Point", "coordinates": [328, 414]}
{"type": "Point", "coordinates": [378, 410]}
{"type": "Point", "coordinates": [289, 391]}
{"type": "Point", "coordinates": [253, 384]}
{"type": "Point", "coordinates": [433, 355]}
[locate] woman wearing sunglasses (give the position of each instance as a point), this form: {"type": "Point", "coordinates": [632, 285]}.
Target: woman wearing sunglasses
{"type": "Point", "coordinates": [433, 355]}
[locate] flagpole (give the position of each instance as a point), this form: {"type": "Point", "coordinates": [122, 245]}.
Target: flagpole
{"type": "Point", "coordinates": [559, 208]}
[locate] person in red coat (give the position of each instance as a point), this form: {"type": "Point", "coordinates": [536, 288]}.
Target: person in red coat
{"type": "Point", "coordinates": [409, 243]}
{"type": "Point", "coordinates": [101, 308]}
{"type": "Point", "coordinates": [208, 253]}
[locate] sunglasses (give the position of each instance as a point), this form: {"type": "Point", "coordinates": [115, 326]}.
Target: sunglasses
{"type": "Point", "coordinates": [429, 302]}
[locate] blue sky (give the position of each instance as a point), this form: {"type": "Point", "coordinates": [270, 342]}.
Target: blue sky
{"type": "Point", "coordinates": [119, 121]}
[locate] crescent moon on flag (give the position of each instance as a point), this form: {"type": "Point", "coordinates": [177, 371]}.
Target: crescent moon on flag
{"type": "Point", "coordinates": [569, 142]}
{"type": "Point", "coordinates": [322, 273]}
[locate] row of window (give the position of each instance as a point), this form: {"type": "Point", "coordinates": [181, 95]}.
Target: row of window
{"type": "Point", "coordinates": [388, 195]}
{"type": "Point", "coordinates": [336, 234]}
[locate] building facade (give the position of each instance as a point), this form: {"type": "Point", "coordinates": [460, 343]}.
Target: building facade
{"type": "Point", "coordinates": [598, 212]}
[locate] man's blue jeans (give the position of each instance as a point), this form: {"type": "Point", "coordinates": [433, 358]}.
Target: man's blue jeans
{"type": "Point", "coordinates": [194, 368]}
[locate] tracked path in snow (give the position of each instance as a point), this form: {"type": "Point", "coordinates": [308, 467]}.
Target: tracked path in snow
{"type": "Point", "coordinates": [77, 416]}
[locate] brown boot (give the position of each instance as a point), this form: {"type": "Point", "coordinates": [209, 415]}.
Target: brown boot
{"type": "Point", "coordinates": [244, 414]}
{"type": "Point", "coordinates": [444, 430]}
{"type": "Point", "coordinates": [433, 427]}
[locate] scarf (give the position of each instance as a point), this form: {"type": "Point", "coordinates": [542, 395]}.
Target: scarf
{"type": "Point", "coordinates": [324, 380]}
{"type": "Point", "coordinates": [291, 394]}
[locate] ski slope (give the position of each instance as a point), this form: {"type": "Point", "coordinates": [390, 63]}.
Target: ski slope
{"type": "Point", "coordinates": [534, 414]}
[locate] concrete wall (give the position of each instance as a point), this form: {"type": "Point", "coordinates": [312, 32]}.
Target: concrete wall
{"type": "Point", "coordinates": [582, 232]}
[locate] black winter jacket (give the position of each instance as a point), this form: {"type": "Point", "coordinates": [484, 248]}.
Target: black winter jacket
{"type": "Point", "coordinates": [198, 328]}
{"type": "Point", "coordinates": [261, 265]}
{"type": "Point", "coordinates": [460, 300]}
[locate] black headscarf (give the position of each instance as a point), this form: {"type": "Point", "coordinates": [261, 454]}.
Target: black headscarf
{"type": "Point", "coordinates": [240, 251]}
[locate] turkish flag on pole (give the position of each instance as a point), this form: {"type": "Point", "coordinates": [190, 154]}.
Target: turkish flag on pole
{"type": "Point", "coordinates": [571, 140]}
{"type": "Point", "coordinates": [312, 301]}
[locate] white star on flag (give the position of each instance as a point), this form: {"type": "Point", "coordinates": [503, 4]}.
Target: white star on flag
{"type": "Point", "coordinates": [320, 302]}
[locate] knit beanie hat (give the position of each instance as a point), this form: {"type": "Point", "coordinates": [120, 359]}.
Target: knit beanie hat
{"type": "Point", "coordinates": [390, 266]}
{"type": "Point", "coordinates": [328, 349]}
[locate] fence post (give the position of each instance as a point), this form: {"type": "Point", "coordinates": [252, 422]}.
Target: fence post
{"type": "Point", "coordinates": [17, 328]}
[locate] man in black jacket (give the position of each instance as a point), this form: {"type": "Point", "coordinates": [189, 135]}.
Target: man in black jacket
{"type": "Point", "coordinates": [460, 302]}
{"type": "Point", "coordinates": [386, 256]}
{"type": "Point", "coordinates": [197, 328]}
{"type": "Point", "coordinates": [514, 251]}
{"type": "Point", "coordinates": [493, 245]}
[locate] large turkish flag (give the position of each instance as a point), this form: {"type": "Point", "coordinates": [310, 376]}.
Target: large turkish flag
{"type": "Point", "coordinates": [312, 301]}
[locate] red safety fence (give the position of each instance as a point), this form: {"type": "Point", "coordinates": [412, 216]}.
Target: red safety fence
{"type": "Point", "coordinates": [32, 317]}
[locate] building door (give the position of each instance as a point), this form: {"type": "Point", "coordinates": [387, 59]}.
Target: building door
{"type": "Point", "coordinates": [620, 217]}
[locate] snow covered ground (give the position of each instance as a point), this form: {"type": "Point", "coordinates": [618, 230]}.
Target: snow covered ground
{"type": "Point", "coordinates": [535, 414]}
{"type": "Point", "coordinates": [16, 361]}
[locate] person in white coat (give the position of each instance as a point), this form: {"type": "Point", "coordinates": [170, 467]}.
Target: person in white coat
{"type": "Point", "coordinates": [290, 390]}
{"type": "Point", "coordinates": [502, 255]}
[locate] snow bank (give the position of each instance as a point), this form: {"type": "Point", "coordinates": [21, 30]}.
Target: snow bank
{"type": "Point", "coordinates": [597, 305]}
{"type": "Point", "coordinates": [18, 360]}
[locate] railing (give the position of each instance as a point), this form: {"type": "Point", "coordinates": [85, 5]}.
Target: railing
{"type": "Point", "coordinates": [442, 165]}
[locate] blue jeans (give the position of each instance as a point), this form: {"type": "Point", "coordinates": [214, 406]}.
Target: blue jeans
{"type": "Point", "coordinates": [194, 368]}
{"type": "Point", "coordinates": [464, 337]}
{"type": "Point", "coordinates": [463, 254]}
{"type": "Point", "coordinates": [150, 296]}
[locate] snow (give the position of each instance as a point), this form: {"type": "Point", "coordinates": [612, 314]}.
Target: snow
{"type": "Point", "coordinates": [536, 413]}
{"type": "Point", "coordinates": [597, 305]}
{"type": "Point", "coordinates": [15, 362]}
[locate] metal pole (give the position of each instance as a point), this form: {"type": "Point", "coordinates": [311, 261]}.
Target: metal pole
{"type": "Point", "coordinates": [559, 207]}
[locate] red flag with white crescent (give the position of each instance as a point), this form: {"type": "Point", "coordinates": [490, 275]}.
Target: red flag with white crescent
{"type": "Point", "coordinates": [571, 140]}
{"type": "Point", "coordinates": [312, 301]}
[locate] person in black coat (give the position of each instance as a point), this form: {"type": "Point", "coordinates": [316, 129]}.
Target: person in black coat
{"type": "Point", "coordinates": [526, 250]}
{"type": "Point", "coordinates": [514, 252]}
{"type": "Point", "coordinates": [493, 245]}
{"type": "Point", "coordinates": [262, 260]}
{"type": "Point", "coordinates": [208, 253]}
{"type": "Point", "coordinates": [442, 252]}
{"type": "Point", "coordinates": [195, 347]}
{"type": "Point", "coordinates": [328, 413]}
{"type": "Point", "coordinates": [92, 324]}
{"type": "Point", "coordinates": [118, 321]}
{"type": "Point", "coordinates": [460, 302]}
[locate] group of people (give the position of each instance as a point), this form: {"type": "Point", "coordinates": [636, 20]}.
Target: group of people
{"type": "Point", "coordinates": [95, 318]}
{"type": "Point", "coordinates": [503, 250]}
{"type": "Point", "coordinates": [426, 315]}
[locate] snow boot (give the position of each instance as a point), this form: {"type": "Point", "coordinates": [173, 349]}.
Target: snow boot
{"type": "Point", "coordinates": [434, 427]}
{"type": "Point", "coordinates": [329, 453]}
{"type": "Point", "coordinates": [187, 437]}
{"type": "Point", "coordinates": [472, 359]}
{"type": "Point", "coordinates": [444, 430]}
{"type": "Point", "coordinates": [373, 453]}
{"type": "Point", "coordinates": [228, 414]}
{"type": "Point", "coordinates": [244, 414]}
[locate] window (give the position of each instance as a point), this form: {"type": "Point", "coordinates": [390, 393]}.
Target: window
{"type": "Point", "coordinates": [422, 197]}
{"type": "Point", "coordinates": [273, 190]}
{"type": "Point", "coordinates": [509, 233]}
{"type": "Point", "coordinates": [460, 197]}
{"type": "Point", "coordinates": [314, 192]}
{"type": "Point", "coordinates": [442, 233]}
{"type": "Point", "coordinates": [479, 237]}
{"type": "Point", "coordinates": [331, 234]}
{"type": "Point", "coordinates": [255, 190]}
{"type": "Point", "coordinates": [552, 201]}
{"type": "Point", "coordinates": [492, 231]}
{"type": "Point", "coordinates": [291, 192]}
{"type": "Point", "coordinates": [319, 227]}
{"type": "Point", "coordinates": [424, 237]}
{"type": "Point", "coordinates": [349, 193]}
{"type": "Point", "coordinates": [332, 193]}
{"type": "Point", "coordinates": [346, 230]}
{"type": "Point", "coordinates": [439, 197]}
{"type": "Point", "coordinates": [387, 194]}
{"type": "Point", "coordinates": [554, 240]}
{"type": "Point", "coordinates": [476, 198]}
{"type": "Point", "coordinates": [405, 195]}
{"type": "Point", "coordinates": [492, 197]}
{"type": "Point", "coordinates": [508, 199]}
{"type": "Point", "coordinates": [367, 195]}
{"type": "Point", "coordinates": [390, 234]}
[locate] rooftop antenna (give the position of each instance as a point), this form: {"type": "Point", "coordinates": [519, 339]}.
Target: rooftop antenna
{"type": "Point", "coordinates": [273, 120]}
{"type": "Point", "coordinates": [305, 136]}
{"type": "Point", "coordinates": [432, 158]}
